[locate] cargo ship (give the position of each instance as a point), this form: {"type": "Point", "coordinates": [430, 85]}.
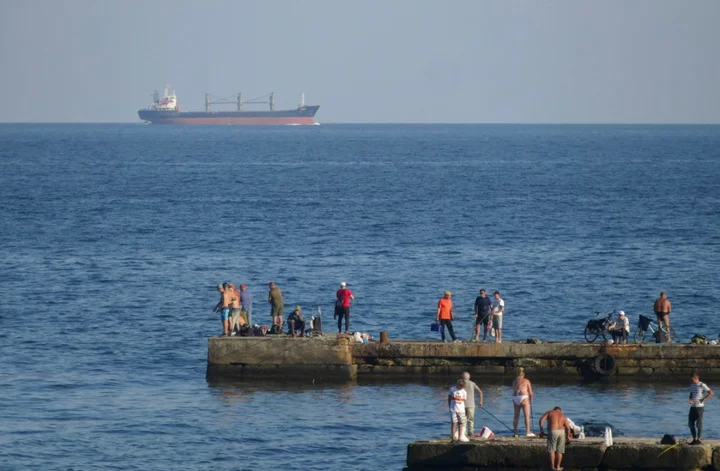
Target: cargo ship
{"type": "Point", "coordinates": [165, 110]}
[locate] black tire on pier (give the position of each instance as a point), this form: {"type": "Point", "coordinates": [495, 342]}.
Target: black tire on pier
{"type": "Point", "coordinates": [591, 334]}
{"type": "Point", "coordinates": [640, 336]}
{"type": "Point", "coordinates": [604, 364]}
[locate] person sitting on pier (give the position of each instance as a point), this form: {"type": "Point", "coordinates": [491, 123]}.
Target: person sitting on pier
{"type": "Point", "coordinates": [296, 322]}
{"type": "Point", "coordinates": [522, 398]}
{"type": "Point", "coordinates": [557, 426]}
{"type": "Point", "coordinates": [456, 404]}
{"type": "Point", "coordinates": [620, 329]}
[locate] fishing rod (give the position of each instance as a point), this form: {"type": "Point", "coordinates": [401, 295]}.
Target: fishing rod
{"type": "Point", "coordinates": [493, 416]}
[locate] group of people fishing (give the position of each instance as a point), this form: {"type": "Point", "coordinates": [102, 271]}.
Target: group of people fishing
{"type": "Point", "coordinates": [461, 402]}
{"type": "Point", "coordinates": [235, 308]}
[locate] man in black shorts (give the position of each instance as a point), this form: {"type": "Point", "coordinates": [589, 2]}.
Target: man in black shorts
{"type": "Point", "coordinates": [482, 314]}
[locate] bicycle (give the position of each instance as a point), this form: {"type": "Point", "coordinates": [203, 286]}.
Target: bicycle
{"type": "Point", "coordinates": [598, 327]}
{"type": "Point", "coordinates": [646, 325]}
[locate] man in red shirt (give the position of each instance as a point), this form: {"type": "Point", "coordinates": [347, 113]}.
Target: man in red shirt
{"type": "Point", "coordinates": [342, 307]}
{"type": "Point", "coordinates": [445, 316]}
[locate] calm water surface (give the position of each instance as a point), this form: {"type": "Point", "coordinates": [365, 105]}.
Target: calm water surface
{"type": "Point", "coordinates": [114, 235]}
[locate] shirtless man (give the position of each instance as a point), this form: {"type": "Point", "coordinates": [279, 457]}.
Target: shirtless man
{"type": "Point", "coordinates": [557, 425]}
{"type": "Point", "coordinates": [522, 397]}
{"type": "Point", "coordinates": [236, 320]}
{"type": "Point", "coordinates": [662, 309]}
{"type": "Point", "coordinates": [223, 307]}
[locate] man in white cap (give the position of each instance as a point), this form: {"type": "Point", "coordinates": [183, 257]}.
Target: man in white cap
{"type": "Point", "coordinates": [620, 329]}
{"type": "Point", "coordinates": [342, 307]}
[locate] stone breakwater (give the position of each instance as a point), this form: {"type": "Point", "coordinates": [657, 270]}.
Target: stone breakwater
{"type": "Point", "coordinates": [337, 357]}
{"type": "Point", "coordinates": [588, 454]}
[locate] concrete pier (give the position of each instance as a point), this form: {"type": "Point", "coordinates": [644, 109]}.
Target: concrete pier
{"type": "Point", "coordinates": [338, 357]}
{"type": "Point", "coordinates": [588, 454]}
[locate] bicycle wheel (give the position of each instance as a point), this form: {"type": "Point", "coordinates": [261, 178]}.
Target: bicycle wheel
{"type": "Point", "coordinates": [640, 335]}
{"type": "Point", "coordinates": [591, 334]}
{"type": "Point", "coordinates": [604, 333]}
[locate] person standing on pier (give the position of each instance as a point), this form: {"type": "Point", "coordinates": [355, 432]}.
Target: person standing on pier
{"type": "Point", "coordinates": [498, 309]}
{"type": "Point", "coordinates": [470, 388]}
{"type": "Point", "coordinates": [236, 320]}
{"type": "Point", "coordinates": [223, 307]}
{"type": "Point", "coordinates": [456, 403]}
{"type": "Point", "coordinates": [445, 316]}
{"type": "Point", "coordinates": [482, 314]}
{"type": "Point", "coordinates": [276, 302]}
{"type": "Point", "coordinates": [246, 304]}
{"type": "Point", "coordinates": [522, 399]}
{"type": "Point", "coordinates": [557, 426]}
{"type": "Point", "coordinates": [697, 407]}
{"type": "Point", "coordinates": [662, 309]}
{"type": "Point", "coordinates": [342, 303]}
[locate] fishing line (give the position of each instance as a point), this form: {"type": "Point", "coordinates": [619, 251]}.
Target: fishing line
{"type": "Point", "coordinates": [493, 416]}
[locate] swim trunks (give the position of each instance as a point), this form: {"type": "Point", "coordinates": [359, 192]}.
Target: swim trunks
{"type": "Point", "coordinates": [556, 441]}
{"type": "Point", "coordinates": [224, 314]}
{"type": "Point", "coordinates": [517, 400]}
{"type": "Point", "coordinates": [497, 322]}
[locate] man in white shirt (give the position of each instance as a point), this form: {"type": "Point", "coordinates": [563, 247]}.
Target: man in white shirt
{"type": "Point", "coordinates": [620, 329]}
{"type": "Point", "coordinates": [470, 388]}
{"type": "Point", "coordinates": [498, 309]}
{"type": "Point", "coordinates": [697, 407]}
{"type": "Point", "coordinates": [456, 404]}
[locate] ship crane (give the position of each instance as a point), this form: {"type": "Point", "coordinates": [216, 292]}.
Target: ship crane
{"type": "Point", "coordinates": [239, 101]}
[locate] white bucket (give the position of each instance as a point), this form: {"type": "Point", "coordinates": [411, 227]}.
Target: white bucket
{"type": "Point", "coordinates": [486, 433]}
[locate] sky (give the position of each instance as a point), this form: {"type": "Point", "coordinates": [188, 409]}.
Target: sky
{"type": "Point", "coordinates": [379, 61]}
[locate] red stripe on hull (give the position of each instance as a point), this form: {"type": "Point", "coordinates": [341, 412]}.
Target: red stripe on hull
{"type": "Point", "coordinates": [267, 121]}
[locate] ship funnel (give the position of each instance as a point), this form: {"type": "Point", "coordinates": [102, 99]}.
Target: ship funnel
{"type": "Point", "coordinates": [302, 101]}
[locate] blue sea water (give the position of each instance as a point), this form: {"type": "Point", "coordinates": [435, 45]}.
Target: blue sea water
{"type": "Point", "coordinates": [112, 238]}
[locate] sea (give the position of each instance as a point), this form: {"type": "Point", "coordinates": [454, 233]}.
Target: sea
{"type": "Point", "coordinates": [114, 236]}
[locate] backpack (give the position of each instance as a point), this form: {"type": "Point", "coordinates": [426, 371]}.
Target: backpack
{"type": "Point", "coordinates": [699, 339]}
{"type": "Point", "coordinates": [668, 439]}
{"type": "Point", "coordinates": [259, 331]}
{"type": "Point", "coordinates": [244, 330]}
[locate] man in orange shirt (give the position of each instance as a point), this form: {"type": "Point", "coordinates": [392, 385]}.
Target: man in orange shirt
{"type": "Point", "coordinates": [445, 316]}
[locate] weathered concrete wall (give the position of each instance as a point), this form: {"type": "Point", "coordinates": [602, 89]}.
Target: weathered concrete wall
{"type": "Point", "coordinates": [548, 358]}
{"type": "Point", "coordinates": [589, 454]}
{"type": "Point", "coordinates": [280, 356]}
{"type": "Point", "coordinates": [331, 356]}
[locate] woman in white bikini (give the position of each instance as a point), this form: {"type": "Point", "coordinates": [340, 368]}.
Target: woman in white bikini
{"type": "Point", "coordinates": [522, 397]}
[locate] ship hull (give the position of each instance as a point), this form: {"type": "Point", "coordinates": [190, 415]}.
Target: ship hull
{"type": "Point", "coordinates": [304, 115]}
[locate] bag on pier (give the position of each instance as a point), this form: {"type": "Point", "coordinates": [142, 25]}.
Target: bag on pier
{"type": "Point", "coordinates": [245, 330]}
{"type": "Point", "coordinates": [699, 339]}
{"type": "Point", "coordinates": [534, 341]}
{"type": "Point", "coordinates": [275, 330]}
{"type": "Point", "coordinates": [668, 439]}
